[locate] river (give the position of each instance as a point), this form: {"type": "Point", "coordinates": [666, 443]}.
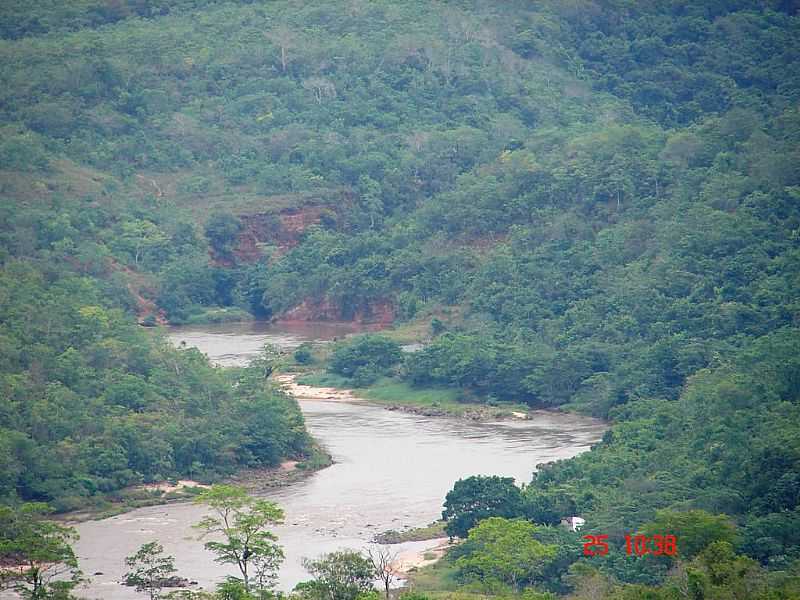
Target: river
{"type": "Point", "coordinates": [391, 471]}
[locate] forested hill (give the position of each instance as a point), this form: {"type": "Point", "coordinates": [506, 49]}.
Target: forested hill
{"type": "Point", "coordinates": [594, 203]}
{"type": "Point", "coordinates": [91, 403]}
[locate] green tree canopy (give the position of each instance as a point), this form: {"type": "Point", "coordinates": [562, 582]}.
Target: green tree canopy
{"type": "Point", "coordinates": [37, 554]}
{"type": "Point", "coordinates": [149, 569]}
{"type": "Point", "coordinates": [505, 551]}
{"type": "Point", "coordinates": [366, 356]}
{"type": "Point", "coordinates": [478, 497]}
{"type": "Point", "coordinates": [343, 575]}
{"type": "Point", "coordinates": [241, 521]}
{"type": "Point", "coordinates": [693, 529]}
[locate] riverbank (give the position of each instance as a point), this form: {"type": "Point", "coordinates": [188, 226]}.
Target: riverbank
{"type": "Point", "coordinates": [391, 473]}
{"type": "Point", "coordinates": [415, 534]}
{"type": "Point", "coordinates": [184, 490]}
{"type": "Point", "coordinates": [305, 391]}
{"type": "Point", "coordinates": [396, 395]}
{"type": "Point", "coordinates": [411, 561]}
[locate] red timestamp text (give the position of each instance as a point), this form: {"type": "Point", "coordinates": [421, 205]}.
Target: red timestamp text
{"type": "Point", "coordinates": [639, 545]}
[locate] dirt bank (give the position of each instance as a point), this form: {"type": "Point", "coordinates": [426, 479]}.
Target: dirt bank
{"type": "Point", "coordinates": [412, 560]}
{"type": "Point", "coordinates": [309, 392]}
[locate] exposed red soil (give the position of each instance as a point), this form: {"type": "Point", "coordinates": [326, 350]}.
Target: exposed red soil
{"type": "Point", "coordinates": [138, 286]}
{"type": "Point", "coordinates": [281, 230]}
{"type": "Point", "coordinates": [380, 312]}
{"type": "Point", "coordinates": [146, 307]}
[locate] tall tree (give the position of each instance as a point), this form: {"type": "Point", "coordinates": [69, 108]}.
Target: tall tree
{"type": "Point", "coordinates": [504, 550]}
{"type": "Point", "coordinates": [285, 39]}
{"type": "Point", "coordinates": [39, 562]}
{"type": "Point", "coordinates": [340, 575]}
{"type": "Point", "coordinates": [383, 561]}
{"type": "Point", "coordinates": [241, 522]}
{"type": "Point", "coordinates": [149, 569]}
{"type": "Point", "coordinates": [478, 497]}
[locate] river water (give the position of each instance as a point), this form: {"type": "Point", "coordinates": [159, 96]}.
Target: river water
{"type": "Point", "coordinates": [392, 471]}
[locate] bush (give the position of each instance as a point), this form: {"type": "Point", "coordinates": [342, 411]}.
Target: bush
{"type": "Point", "coordinates": [365, 376]}
{"type": "Point", "coordinates": [413, 596]}
{"type": "Point", "coordinates": [367, 356]}
{"type": "Point", "coordinates": [303, 354]}
{"type": "Point", "coordinates": [221, 231]}
{"type": "Point", "coordinates": [437, 326]}
{"type": "Point", "coordinates": [23, 152]}
{"type": "Point", "coordinates": [476, 498]}
{"type": "Point", "coordinates": [196, 185]}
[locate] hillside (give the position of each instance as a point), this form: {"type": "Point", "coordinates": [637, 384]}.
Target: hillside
{"type": "Point", "coordinates": [588, 205]}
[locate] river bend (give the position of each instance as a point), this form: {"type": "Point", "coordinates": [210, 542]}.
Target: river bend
{"type": "Point", "coordinates": [392, 471]}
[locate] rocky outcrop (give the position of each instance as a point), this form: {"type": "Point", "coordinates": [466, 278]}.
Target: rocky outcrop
{"type": "Point", "coordinates": [378, 312]}
{"type": "Point", "coordinates": [168, 582]}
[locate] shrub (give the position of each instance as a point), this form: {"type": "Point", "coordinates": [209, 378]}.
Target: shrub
{"type": "Point", "coordinates": [302, 355]}
{"type": "Point", "coordinates": [368, 355]}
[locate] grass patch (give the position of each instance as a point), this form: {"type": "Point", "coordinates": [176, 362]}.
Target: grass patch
{"type": "Point", "coordinates": [432, 401]}
{"type": "Point", "coordinates": [392, 391]}
{"type": "Point", "coordinates": [419, 328]}
{"type": "Point", "coordinates": [325, 379]}
{"type": "Point", "coordinates": [416, 534]}
{"type": "Point", "coordinates": [187, 491]}
{"type": "Point", "coordinates": [439, 581]}
{"type": "Point", "coordinates": [438, 577]}
{"type": "Point", "coordinates": [317, 459]}
{"type": "Point", "coordinates": [463, 594]}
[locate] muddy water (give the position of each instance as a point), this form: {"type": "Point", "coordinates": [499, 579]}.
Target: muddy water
{"type": "Point", "coordinates": [232, 344]}
{"type": "Point", "coordinates": [392, 471]}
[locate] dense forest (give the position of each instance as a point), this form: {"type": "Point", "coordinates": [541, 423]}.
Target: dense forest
{"type": "Point", "coordinates": [590, 204]}
{"type": "Point", "coordinates": [92, 404]}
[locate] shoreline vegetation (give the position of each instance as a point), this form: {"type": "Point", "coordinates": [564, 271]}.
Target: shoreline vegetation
{"type": "Point", "coordinates": [318, 385]}
{"type": "Point", "coordinates": [315, 386]}
{"type": "Point", "coordinates": [432, 531]}
{"type": "Point", "coordinates": [406, 562]}
{"type": "Point", "coordinates": [397, 395]}
{"type": "Point", "coordinates": [323, 387]}
{"type": "Point", "coordinates": [185, 490]}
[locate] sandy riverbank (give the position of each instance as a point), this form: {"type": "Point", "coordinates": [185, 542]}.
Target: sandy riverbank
{"type": "Point", "coordinates": [308, 392]}
{"type": "Point", "coordinates": [410, 560]}
{"type": "Point", "coordinates": [476, 412]}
